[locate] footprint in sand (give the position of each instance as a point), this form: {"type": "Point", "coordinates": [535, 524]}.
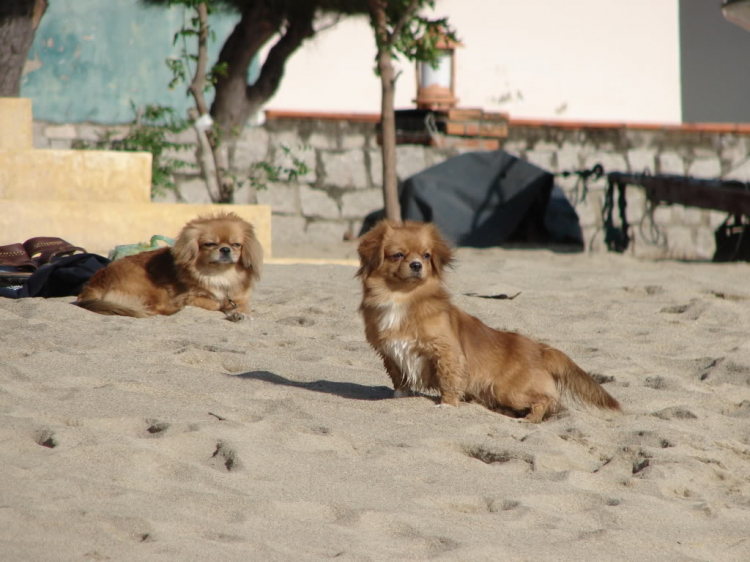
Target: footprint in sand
{"type": "Point", "coordinates": [657, 383]}
{"type": "Point", "coordinates": [675, 413]}
{"type": "Point", "coordinates": [645, 290]}
{"type": "Point", "coordinates": [727, 372]}
{"type": "Point", "coordinates": [500, 457]}
{"type": "Point", "coordinates": [296, 321]}
{"type": "Point", "coordinates": [46, 438]}
{"type": "Point", "coordinates": [156, 428]}
{"type": "Point", "coordinates": [225, 458]}
{"type": "Point", "coordinates": [691, 311]}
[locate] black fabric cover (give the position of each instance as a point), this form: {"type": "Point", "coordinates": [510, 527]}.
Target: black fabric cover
{"type": "Point", "coordinates": [485, 199]}
{"type": "Point", "coordinates": [62, 278]}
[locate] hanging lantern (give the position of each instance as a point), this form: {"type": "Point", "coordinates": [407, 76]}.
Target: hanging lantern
{"type": "Point", "coordinates": [436, 84]}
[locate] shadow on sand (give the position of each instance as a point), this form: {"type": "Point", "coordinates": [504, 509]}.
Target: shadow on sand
{"type": "Point", "coordinates": [349, 390]}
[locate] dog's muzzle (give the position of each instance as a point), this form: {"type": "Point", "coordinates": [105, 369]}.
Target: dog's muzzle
{"type": "Point", "coordinates": [225, 255]}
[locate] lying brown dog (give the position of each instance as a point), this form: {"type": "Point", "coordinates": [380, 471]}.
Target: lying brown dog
{"type": "Point", "coordinates": [214, 264]}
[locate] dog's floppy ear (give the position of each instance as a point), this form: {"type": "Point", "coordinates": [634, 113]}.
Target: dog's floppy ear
{"type": "Point", "coordinates": [252, 253]}
{"type": "Point", "coordinates": [370, 248]}
{"type": "Point", "coordinates": [185, 250]}
{"type": "Point", "coordinates": [442, 253]}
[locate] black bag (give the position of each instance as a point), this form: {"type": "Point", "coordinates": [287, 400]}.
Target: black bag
{"type": "Point", "coordinates": [62, 278]}
{"type": "Point", "coordinates": [732, 240]}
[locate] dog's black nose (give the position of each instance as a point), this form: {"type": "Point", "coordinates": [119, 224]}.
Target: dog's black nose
{"type": "Point", "coordinates": [415, 266]}
{"type": "Point", "coordinates": [226, 250]}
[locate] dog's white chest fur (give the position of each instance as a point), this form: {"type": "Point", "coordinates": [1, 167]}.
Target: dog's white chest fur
{"type": "Point", "coordinates": [392, 316]}
{"type": "Point", "coordinates": [410, 363]}
{"type": "Point", "coordinates": [401, 351]}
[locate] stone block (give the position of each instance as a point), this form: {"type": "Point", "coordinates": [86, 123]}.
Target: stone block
{"type": "Point", "coordinates": [544, 159]}
{"type": "Point", "coordinates": [61, 132]}
{"type": "Point", "coordinates": [302, 153]}
{"type": "Point", "coordinates": [671, 163]}
{"type": "Point", "coordinates": [705, 243]}
{"type": "Point", "coordinates": [376, 167]}
{"type": "Point", "coordinates": [569, 159]}
{"type": "Point", "coordinates": [39, 138]}
{"type": "Point", "coordinates": [316, 203]}
{"type": "Point", "coordinates": [708, 168]}
{"type": "Point", "coordinates": [715, 218]}
{"type": "Point", "coordinates": [100, 226]}
{"type": "Point", "coordinates": [16, 131]}
{"type": "Point", "coordinates": [740, 171]}
{"type": "Point", "coordinates": [288, 229]}
{"type": "Point", "coordinates": [349, 141]}
{"type": "Point", "coordinates": [75, 175]}
{"type": "Point", "coordinates": [192, 189]}
{"type": "Point", "coordinates": [641, 160]}
{"type": "Point", "coordinates": [680, 242]}
{"type": "Point", "coordinates": [345, 169]}
{"type": "Point", "coordinates": [186, 155]}
{"type": "Point", "coordinates": [590, 212]}
{"type": "Point", "coordinates": [358, 204]}
{"type": "Point", "coordinates": [326, 231]}
{"type": "Point", "coordinates": [516, 147]}
{"type": "Point", "coordinates": [250, 148]}
{"type": "Point", "coordinates": [90, 133]}
{"type": "Point", "coordinates": [691, 216]}
{"type": "Point", "coordinates": [636, 205]}
{"type": "Point", "coordinates": [325, 141]}
{"type": "Point", "coordinates": [544, 146]}
{"type": "Point", "coordinates": [435, 157]}
{"type": "Point", "coordinates": [610, 161]}
{"type": "Point", "coordinates": [410, 160]}
{"type": "Point", "coordinates": [281, 197]}
{"type": "Point", "coordinates": [663, 215]}
{"type": "Point", "coordinates": [60, 144]}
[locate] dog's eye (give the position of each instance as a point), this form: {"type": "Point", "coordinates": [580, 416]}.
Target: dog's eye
{"type": "Point", "coordinates": [236, 245]}
{"type": "Point", "coordinates": [397, 256]}
{"type": "Point", "coordinates": [209, 244]}
{"type": "Point", "coordinates": [426, 255]}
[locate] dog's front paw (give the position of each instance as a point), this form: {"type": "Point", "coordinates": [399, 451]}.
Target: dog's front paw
{"type": "Point", "coordinates": [237, 316]}
{"type": "Point", "coordinates": [402, 393]}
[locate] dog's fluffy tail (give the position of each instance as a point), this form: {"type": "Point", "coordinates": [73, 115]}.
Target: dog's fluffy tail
{"type": "Point", "coordinates": [112, 307]}
{"type": "Point", "coordinates": [576, 382]}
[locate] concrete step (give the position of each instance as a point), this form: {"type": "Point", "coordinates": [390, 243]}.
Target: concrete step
{"type": "Point", "coordinates": [75, 175]}
{"type": "Point", "coordinates": [98, 226]}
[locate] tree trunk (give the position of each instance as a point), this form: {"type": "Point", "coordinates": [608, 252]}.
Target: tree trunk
{"type": "Point", "coordinates": [388, 133]}
{"type": "Point", "coordinates": [18, 22]}
{"type": "Point", "coordinates": [236, 101]}
{"type": "Point", "coordinates": [383, 41]}
{"type": "Point", "coordinates": [256, 26]}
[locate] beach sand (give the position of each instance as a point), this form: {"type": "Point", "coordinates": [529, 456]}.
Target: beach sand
{"type": "Point", "coordinates": [191, 438]}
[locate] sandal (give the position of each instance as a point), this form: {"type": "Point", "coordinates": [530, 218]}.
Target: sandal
{"type": "Point", "coordinates": [15, 256]}
{"type": "Point", "coordinates": [15, 265]}
{"type": "Point", "coordinates": [44, 249]}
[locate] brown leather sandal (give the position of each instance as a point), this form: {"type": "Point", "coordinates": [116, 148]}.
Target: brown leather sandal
{"type": "Point", "coordinates": [15, 256]}
{"type": "Point", "coordinates": [46, 249]}
{"type": "Point", "coordinates": [15, 265]}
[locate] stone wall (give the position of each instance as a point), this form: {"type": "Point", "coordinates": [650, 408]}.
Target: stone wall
{"type": "Point", "coordinates": [344, 180]}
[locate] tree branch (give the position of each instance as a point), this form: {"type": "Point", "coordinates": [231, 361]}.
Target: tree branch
{"type": "Point", "coordinates": [299, 28]}
{"type": "Point", "coordinates": [199, 78]}
{"type": "Point", "coordinates": [398, 27]}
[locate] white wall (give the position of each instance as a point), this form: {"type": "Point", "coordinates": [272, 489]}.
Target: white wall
{"type": "Point", "coordinates": [607, 60]}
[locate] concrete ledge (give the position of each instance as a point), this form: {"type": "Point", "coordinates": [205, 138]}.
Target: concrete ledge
{"type": "Point", "coordinates": [75, 175]}
{"type": "Point", "coordinates": [99, 227]}
{"type": "Point", "coordinates": [16, 130]}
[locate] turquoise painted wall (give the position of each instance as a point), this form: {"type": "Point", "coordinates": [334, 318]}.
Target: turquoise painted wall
{"type": "Point", "coordinates": [90, 58]}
